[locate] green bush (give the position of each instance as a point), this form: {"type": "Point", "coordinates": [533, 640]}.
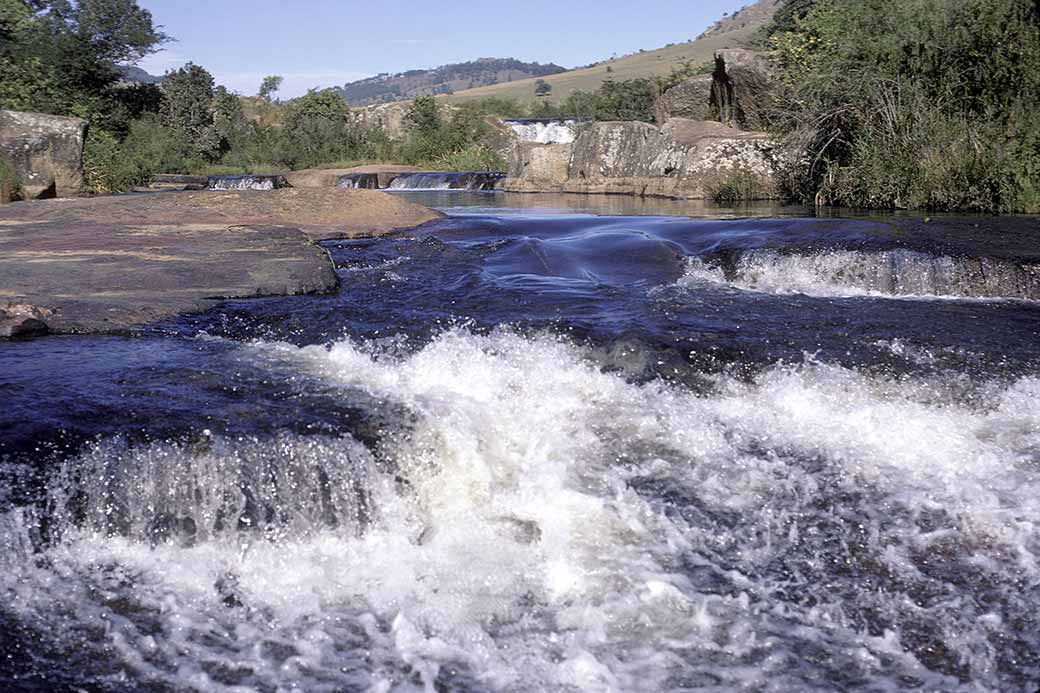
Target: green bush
{"type": "Point", "coordinates": [911, 103]}
{"type": "Point", "coordinates": [473, 157]}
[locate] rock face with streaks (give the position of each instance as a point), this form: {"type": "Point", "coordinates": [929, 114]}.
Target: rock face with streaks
{"type": "Point", "coordinates": [742, 88]}
{"type": "Point", "coordinates": [535, 167]}
{"type": "Point", "coordinates": [683, 159]}
{"type": "Point", "coordinates": [106, 264]}
{"type": "Point", "coordinates": [44, 152]}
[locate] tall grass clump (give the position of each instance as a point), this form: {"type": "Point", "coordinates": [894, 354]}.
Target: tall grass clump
{"type": "Point", "coordinates": [911, 103]}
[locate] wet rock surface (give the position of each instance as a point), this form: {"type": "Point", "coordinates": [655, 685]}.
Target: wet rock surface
{"type": "Point", "coordinates": [107, 264]}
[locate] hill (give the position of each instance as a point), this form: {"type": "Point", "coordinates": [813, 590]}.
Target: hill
{"type": "Point", "coordinates": [132, 73]}
{"type": "Point", "coordinates": [730, 32]}
{"type": "Point", "coordinates": [446, 79]}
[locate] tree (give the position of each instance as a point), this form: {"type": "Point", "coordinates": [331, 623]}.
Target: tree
{"type": "Point", "coordinates": [542, 88]}
{"type": "Point", "coordinates": [270, 85]}
{"type": "Point", "coordinates": [61, 57]}
{"type": "Point", "coordinates": [317, 128]}
{"type": "Point", "coordinates": [187, 108]}
{"type": "Point", "coordinates": [424, 116]}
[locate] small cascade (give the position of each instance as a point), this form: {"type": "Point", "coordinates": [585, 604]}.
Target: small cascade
{"type": "Point", "coordinates": [543, 131]}
{"type": "Point", "coordinates": [885, 273]}
{"type": "Point", "coordinates": [359, 181]}
{"type": "Point", "coordinates": [247, 182]}
{"type": "Point", "coordinates": [448, 180]}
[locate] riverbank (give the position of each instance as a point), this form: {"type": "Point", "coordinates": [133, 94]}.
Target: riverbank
{"type": "Point", "coordinates": [108, 264]}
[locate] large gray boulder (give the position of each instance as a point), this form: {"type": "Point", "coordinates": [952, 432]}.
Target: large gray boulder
{"type": "Point", "coordinates": [45, 153]}
{"type": "Point", "coordinates": [689, 99]}
{"type": "Point", "coordinates": [536, 167]}
{"type": "Point", "coordinates": [743, 88]}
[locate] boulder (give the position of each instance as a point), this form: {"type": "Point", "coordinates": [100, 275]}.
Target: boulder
{"type": "Point", "coordinates": [742, 88]}
{"type": "Point", "coordinates": [45, 153]}
{"type": "Point", "coordinates": [689, 99]}
{"type": "Point", "coordinates": [22, 320]}
{"type": "Point", "coordinates": [535, 167]}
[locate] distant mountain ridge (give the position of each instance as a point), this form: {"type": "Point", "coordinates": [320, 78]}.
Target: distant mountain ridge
{"type": "Point", "coordinates": [447, 79]}
{"type": "Point", "coordinates": [132, 73]}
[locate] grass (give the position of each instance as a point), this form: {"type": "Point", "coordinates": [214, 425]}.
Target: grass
{"type": "Point", "coordinates": [656, 63]}
{"type": "Point", "coordinates": [734, 187]}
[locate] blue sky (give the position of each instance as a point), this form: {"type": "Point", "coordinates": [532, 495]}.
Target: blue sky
{"type": "Point", "coordinates": [327, 43]}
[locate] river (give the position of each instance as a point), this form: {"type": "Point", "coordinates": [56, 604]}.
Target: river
{"type": "Point", "coordinates": [546, 444]}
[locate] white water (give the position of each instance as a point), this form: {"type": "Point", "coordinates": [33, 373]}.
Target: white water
{"type": "Point", "coordinates": [888, 273]}
{"type": "Point", "coordinates": [520, 546]}
{"type": "Point", "coordinates": [556, 132]}
{"type": "Point", "coordinates": [243, 183]}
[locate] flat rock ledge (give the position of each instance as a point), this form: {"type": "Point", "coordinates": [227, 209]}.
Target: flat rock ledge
{"type": "Point", "coordinates": [108, 264]}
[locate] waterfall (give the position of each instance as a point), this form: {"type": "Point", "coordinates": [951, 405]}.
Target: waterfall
{"type": "Point", "coordinates": [251, 182]}
{"type": "Point", "coordinates": [447, 180]}
{"type": "Point", "coordinates": [544, 131]}
{"type": "Point", "coordinates": [359, 181]}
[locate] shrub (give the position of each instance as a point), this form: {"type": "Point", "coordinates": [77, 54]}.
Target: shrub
{"type": "Point", "coordinates": [473, 157]}
{"type": "Point", "coordinates": [733, 187]}
{"type": "Point", "coordinates": [187, 108]}
{"type": "Point", "coordinates": [912, 103]}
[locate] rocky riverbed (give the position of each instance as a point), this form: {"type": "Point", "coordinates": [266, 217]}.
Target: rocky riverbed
{"type": "Point", "coordinates": [107, 264]}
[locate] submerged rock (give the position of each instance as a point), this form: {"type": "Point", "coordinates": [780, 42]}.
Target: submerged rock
{"type": "Point", "coordinates": [45, 153]}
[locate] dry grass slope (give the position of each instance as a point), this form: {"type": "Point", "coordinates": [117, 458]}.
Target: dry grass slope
{"type": "Point", "coordinates": [731, 32]}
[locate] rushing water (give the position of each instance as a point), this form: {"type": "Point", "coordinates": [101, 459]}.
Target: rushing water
{"type": "Point", "coordinates": [528, 450]}
{"type": "Point", "coordinates": [543, 131]}
{"type": "Point", "coordinates": [447, 180]}
{"type": "Point", "coordinates": [250, 182]}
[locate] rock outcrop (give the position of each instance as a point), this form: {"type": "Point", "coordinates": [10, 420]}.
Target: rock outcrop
{"type": "Point", "coordinates": [45, 153]}
{"type": "Point", "coordinates": [689, 99]}
{"type": "Point", "coordinates": [742, 88]}
{"type": "Point", "coordinates": [535, 167]}
{"type": "Point", "coordinates": [108, 263]}
{"type": "Point", "coordinates": [23, 320]}
{"type": "Point", "coordinates": [390, 117]}
{"type": "Point", "coordinates": [684, 159]}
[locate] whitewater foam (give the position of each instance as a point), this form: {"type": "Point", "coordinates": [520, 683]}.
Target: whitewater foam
{"type": "Point", "coordinates": [544, 132]}
{"type": "Point", "coordinates": [862, 273]}
{"type": "Point", "coordinates": [537, 523]}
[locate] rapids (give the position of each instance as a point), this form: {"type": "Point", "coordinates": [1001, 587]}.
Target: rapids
{"type": "Point", "coordinates": [545, 451]}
